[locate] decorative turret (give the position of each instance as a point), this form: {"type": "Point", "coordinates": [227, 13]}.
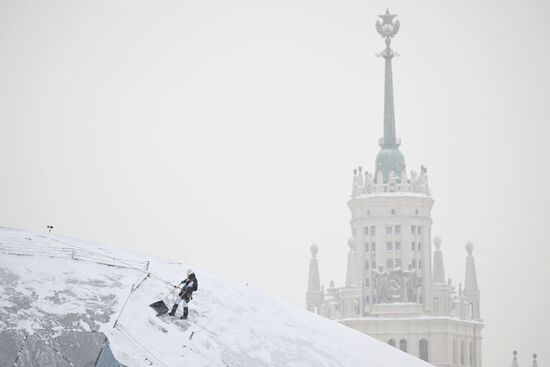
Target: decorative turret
{"type": "Point", "coordinates": [438, 266]}
{"type": "Point", "coordinates": [389, 159]}
{"type": "Point", "coordinates": [314, 295]}
{"type": "Point", "coordinates": [441, 289]}
{"type": "Point", "coordinates": [471, 290]}
{"type": "Point", "coordinates": [352, 273]}
{"type": "Point", "coordinates": [470, 285]}
{"type": "Point", "coordinates": [515, 360]}
{"type": "Point", "coordinates": [516, 364]}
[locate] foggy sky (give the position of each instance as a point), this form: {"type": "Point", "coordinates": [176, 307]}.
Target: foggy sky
{"type": "Point", "coordinates": [225, 134]}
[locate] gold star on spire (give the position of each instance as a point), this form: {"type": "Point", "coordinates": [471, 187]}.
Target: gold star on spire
{"type": "Point", "coordinates": [387, 18]}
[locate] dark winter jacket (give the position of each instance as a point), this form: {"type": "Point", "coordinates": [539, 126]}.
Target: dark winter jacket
{"type": "Point", "coordinates": [190, 285]}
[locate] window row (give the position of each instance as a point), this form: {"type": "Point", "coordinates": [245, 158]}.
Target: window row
{"type": "Point", "coordinates": [390, 246]}
{"type": "Point", "coordinates": [469, 355]}
{"type": "Point", "coordinates": [415, 246]}
{"type": "Point", "coordinates": [402, 344]}
{"type": "Point", "coordinates": [422, 347]}
{"type": "Point", "coordinates": [393, 263]}
{"type": "Point", "coordinates": [391, 229]}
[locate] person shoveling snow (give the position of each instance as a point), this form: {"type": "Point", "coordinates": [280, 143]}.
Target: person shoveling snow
{"type": "Point", "coordinates": [187, 286]}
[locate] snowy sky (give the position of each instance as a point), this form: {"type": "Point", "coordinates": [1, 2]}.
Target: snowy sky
{"type": "Point", "coordinates": [225, 133]}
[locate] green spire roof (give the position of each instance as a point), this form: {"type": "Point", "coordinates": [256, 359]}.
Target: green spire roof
{"type": "Point", "coordinates": [389, 159]}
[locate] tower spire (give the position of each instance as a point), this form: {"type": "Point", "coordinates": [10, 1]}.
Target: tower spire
{"type": "Point", "coordinates": [352, 273]}
{"type": "Point", "coordinates": [390, 158]}
{"type": "Point", "coordinates": [314, 295]}
{"type": "Point", "coordinates": [471, 289]}
{"type": "Point", "coordinates": [388, 29]}
{"type": "Point", "coordinates": [439, 268]}
{"type": "Point", "coordinates": [515, 359]}
{"type": "Point", "coordinates": [470, 284]}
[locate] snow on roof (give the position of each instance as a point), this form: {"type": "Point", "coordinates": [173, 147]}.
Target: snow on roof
{"type": "Point", "coordinates": [392, 194]}
{"type": "Point", "coordinates": [230, 324]}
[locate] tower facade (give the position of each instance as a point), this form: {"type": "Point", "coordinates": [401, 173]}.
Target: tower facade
{"type": "Point", "coordinates": [396, 289]}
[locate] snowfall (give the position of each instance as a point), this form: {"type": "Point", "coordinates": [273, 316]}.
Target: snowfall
{"type": "Point", "coordinates": [55, 283]}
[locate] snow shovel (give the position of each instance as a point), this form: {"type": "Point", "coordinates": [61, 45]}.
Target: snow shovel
{"type": "Point", "coordinates": [161, 307]}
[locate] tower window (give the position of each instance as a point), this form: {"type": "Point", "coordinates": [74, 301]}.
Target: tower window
{"type": "Point", "coordinates": [436, 305]}
{"type": "Point", "coordinates": [412, 229]}
{"type": "Point", "coordinates": [413, 245]}
{"type": "Point", "coordinates": [419, 263]}
{"type": "Point", "coordinates": [403, 345]}
{"type": "Point", "coordinates": [397, 246]}
{"type": "Point", "coordinates": [391, 342]}
{"type": "Point", "coordinates": [389, 246]}
{"type": "Point", "coordinates": [416, 211]}
{"type": "Point", "coordinates": [455, 354]}
{"type": "Point", "coordinates": [373, 263]}
{"type": "Point", "coordinates": [398, 263]}
{"type": "Point", "coordinates": [373, 246]}
{"type": "Point", "coordinates": [367, 282]}
{"type": "Point", "coordinates": [367, 265]}
{"type": "Point", "coordinates": [419, 246]}
{"type": "Point", "coordinates": [414, 263]}
{"type": "Point", "coordinates": [366, 246]}
{"type": "Point", "coordinates": [419, 230]}
{"type": "Point", "coordinates": [366, 230]}
{"type": "Point", "coordinates": [397, 228]}
{"type": "Point", "coordinates": [389, 264]}
{"type": "Point", "coordinates": [388, 229]}
{"type": "Point", "coordinates": [372, 230]}
{"type": "Point", "coordinates": [393, 210]}
{"type": "Point", "coordinates": [423, 350]}
{"type": "Point", "coordinates": [462, 353]}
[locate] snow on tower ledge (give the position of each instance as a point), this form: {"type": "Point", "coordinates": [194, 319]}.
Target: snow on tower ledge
{"type": "Point", "coordinates": [364, 185]}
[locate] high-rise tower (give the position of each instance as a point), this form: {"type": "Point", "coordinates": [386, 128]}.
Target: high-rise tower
{"type": "Point", "coordinates": [392, 292]}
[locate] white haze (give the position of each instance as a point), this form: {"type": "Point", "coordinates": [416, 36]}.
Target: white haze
{"type": "Point", "coordinates": [225, 133]}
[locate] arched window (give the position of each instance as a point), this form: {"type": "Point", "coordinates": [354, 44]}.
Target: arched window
{"type": "Point", "coordinates": [455, 353]}
{"type": "Point", "coordinates": [403, 345]}
{"type": "Point", "coordinates": [436, 305]}
{"type": "Point", "coordinates": [358, 306]}
{"type": "Point", "coordinates": [391, 342]}
{"type": "Point", "coordinates": [462, 353]}
{"type": "Point", "coordinates": [423, 348]}
{"type": "Point", "coordinates": [472, 355]}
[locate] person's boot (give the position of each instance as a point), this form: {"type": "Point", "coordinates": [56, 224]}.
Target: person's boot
{"type": "Point", "coordinates": [185, 313]}
{"type": "Point", "coordinates": [174, 308]}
